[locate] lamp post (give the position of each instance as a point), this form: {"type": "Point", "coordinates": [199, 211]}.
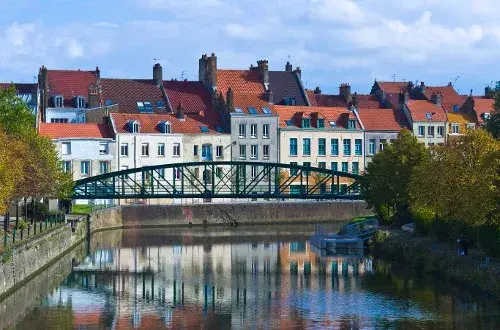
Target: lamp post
{"type": "Point", "coordinates": [429, 118]}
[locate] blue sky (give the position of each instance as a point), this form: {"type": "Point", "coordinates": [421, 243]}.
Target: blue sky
{"type": "Point", "coordinates": [333, 41]}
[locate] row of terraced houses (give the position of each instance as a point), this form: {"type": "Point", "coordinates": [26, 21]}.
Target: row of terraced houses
{"type": "Point", "coordinates": [106, 124]}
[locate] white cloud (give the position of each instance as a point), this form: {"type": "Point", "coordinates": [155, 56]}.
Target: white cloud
{"type": "Point", "coordinates": [74, 49]}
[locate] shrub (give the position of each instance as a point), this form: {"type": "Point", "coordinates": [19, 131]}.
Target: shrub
{"type": "Point", "coordinates": [423, 219]}
{"type": "Point", "coordinates": [385, 214]}
{"type": "Point", "coordinates": [22, 225]}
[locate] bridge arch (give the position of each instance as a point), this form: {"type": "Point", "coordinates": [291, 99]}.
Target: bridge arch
{"type": "Point", "coordinates": [224, 179]}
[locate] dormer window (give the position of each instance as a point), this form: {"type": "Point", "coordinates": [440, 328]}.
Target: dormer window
{"type": "Point", "coordinates": [80, 102]}
{"type": "Point", "coordinates": [321, 123]}
{"type": "Point", "coordinates": [58, 101]}
{"type": "Point", "coordinates": [352, 124]}
{"type": "Point", "coordinates": [165, 127]}
{"type": "Point", "coordinates": [134, 126]}
{"type": "Point", "coordinates": [306, 123]}
{"type": "Point", "coordinates": [289, 101]}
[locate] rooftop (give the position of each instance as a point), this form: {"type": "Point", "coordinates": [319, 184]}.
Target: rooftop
{"type": "Point", "coordinates": [291, 116]}
{"type": "Point", "coordinates": [383, 119]}
{"type": "Point", "coordinates": [419, 108]}
{"type": "Point", "coordinates": [58, 131]}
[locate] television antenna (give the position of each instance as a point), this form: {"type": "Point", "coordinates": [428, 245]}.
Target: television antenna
{"type": "Point", "coordinates": [455, 80]}
{"type": "Point", "coordinates": [156, 60]}
{"type": "Point", "coordinates": [393, 77]}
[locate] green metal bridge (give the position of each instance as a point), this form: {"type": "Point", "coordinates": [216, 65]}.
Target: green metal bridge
{"type": "Point", "coordinates": [226, 179]}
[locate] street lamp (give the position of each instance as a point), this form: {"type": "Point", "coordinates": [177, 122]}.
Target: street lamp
{"type": "Point", "coordinates": [429, 118]}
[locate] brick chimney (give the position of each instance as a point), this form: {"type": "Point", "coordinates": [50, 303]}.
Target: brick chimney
{"type": "Point", "coordinates": [355, 100]}
{"type": "Point", "coordinates": [97, 73]}
{"type": "Point", "coordinates": [230, 99]}
{"type": "Point", "coordinates": [157, 75]}
{"type": "Point", "coordinates": [288, 67]}
{"type": "Point", "coordinates": [263, 68]}
{"type": "Point", "coordinates": [180, 112]}
{"type": "Point", "coordinates": [437, 99]}
{"type": "Point", "coordinates": [207, 71]}
{"type": "Point", "coordinates": [93, 98]}
{"type": "Point", "coordinates": [345, 91]}
{"type": "Point", "coordinates": [298, 72]}
{"type": "Point", "coordinates": [317, 91]}
{"type": "Point", "coordinates": [43, 85]}
{"type": "Point", "coordinates": [269, 96]}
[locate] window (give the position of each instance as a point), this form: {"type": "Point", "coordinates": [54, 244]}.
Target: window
{"type": "Point", "coordinates": [440, 130]}
{"type": "Point", "coordinates": [160, 104]}
{"type": "Point", "coordinates": [59, 120]}
{"type": "Point", "coordinates": [352, 124]}
{"type": "Point", "coordinates": [103, 148]}
{"type": "Point", "coordinates": [124, 149]}
{"type": "Point", "coordinates": [289, 101]}
{"type": "Point", "coordinates": [66, 166]}
{"type": "Point", "coordinates": [177, 149]}
{"type": "Point", "coordinates": [334, 166]}
{"type": "Point", "coordinates": [321, 146]}
{"type": "Point", "coordinates": [421, 130]}
{"type": "Point", "coordinates": [135, 127]}
{"type": "Point", "coordinates": [161, 173]}
{"type": "Point", "coordinates": [80, 102]}
{"type": "Point", "coordinates": [469, 126]}
{"type": "Point", "coordinates": [322, 164]}
{"type": "Point", "coordinates": [177, 173]}
{"type": "Point", "coordinates": [345, 167]}
{"type": "Point", "coordinates": [161, 149]}
{"type": "Point", "coordinates": [242, 132]}
{"type": "Point", "coordinates": [58, 101]}
{"type": "Point", "coordinates": [293, 147]}
{"type": "Point", "coordinates": [293, 171]}
{"type": "Point", "coordinates": [347, 147]}
{"type": "Point", "coordinates": [306, 147]}
{"type": "Point", "coordinates": [253, 131]}
{"type": "Point", "coordinates": [254, 171]}
{"type": "Point", "coordinates": [243, 151]}
{"type": "Point", "coordinates": [382, 144]}
{"type": "Point", "coordinates": [265, 131]}
{"type": "Point", "coordinates": [335, 147]}
{"type": "Point", "coordinates": [66, 148]}
{"type": "Point", "coordinates": [145, 150]}
{"type": "Point", "coordinates": [306, 164]}
{"type": "Point", "coordinates": [306, 123]}
{"type": "Point", "coordinates": [206, 152]}
{"type": "Point", "coordinates": [103, 167]}
{"type": "Point", "coordinates": [204, 129]}
{"type": "Point", "coordinates": [371, 147]}
{"type": "Point", "coordinates": [85, 167]}
{"type": "Point", "coordinates": [430, 130]}
{"type": "Point", "coordinates": [265, 151]}
{"type": "Point", "coordinates": [165, 127]}
{"type": "Point", "coordinates": [219, 152]}
{"type": "Point", "coordinates": [321, 123]}
{"type": "Point", "coordinates": [355, 167]}
{"type": "Point", "coordinates": [195, 150]}
{"type": "Point", "coordinates": [254, 149]}
{"type": "Point", "coordinates": [218, 172]}
{"type": "Point", "coordinates": [108, 102]}
{"type": "Point", "coordinates": [358, 147]}
{"type": "Point", "coordinates": [454, 128]}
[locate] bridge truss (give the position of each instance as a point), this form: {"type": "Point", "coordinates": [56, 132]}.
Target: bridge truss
{"type": "Point", "coordinates": [225, 179]}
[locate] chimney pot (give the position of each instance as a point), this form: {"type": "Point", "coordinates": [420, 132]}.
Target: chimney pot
{"type": "Point", "coordinates": [270, 97]}
{"type": "Point", "coordinates": [263, 67]}
{"type": "Point", "coordinates": [437, 99]}
{"type": "Point", "coordinates": [157, 74]}
{"type": "Point", "coordinates": [317, 90]}
{"type": "Point", "coordinates": [288, 67]}
{"type": "Point", "coordinates": [345, 91]}
{"type": "Point", "coordinates": [180, 111]}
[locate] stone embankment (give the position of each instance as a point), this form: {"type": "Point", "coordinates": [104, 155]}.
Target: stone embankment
{"type": "Point", "coordinates": [426, 255]}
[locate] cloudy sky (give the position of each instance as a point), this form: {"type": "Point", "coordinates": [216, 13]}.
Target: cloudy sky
{"type": "Point", "coordinates": [333, 41]}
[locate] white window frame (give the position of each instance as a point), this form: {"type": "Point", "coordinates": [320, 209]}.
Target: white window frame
{"type": "Point", "coordinates": [103, 148]}
{"type": "Point", "coordinates": [265, 131]}
{"type": "Point", "coordinates": [253, 171]}
{"type": "Point", "coordinates": [66, 148]}
{"type": "Point", "coordinates": [161, 149]}
{"type": "Point", "coordinates": [145, 147]}
{"type": "Point", "coordinates": [243, 155]}
{"type": "Point", "coordinates": [177, 150]}
{"type": "Point", "coordinates": [423, 131]}
{"type": "Point", "coordinates": [242, 131]}
{"type": "Point", "coordinates": [64, 168]}
{"type": "Point", "coordinates": [88, 168]}
{"type": "Point", "coordinates": [219, 151]}
{"type": "Point", "coordinates": [440, 128]}
{"type": "Point", "coordinates": [123, 145]}
{"type": "Point", "coordinates": [265, 151]}
{"type": "Point", "coordinates": [100, 166]}
{"type": "Point", "coordinates": [254, 151]}
{"type": "Point", "coordinates": [453, 126]}
{"type": "Point", "coordinates": [253, 131]}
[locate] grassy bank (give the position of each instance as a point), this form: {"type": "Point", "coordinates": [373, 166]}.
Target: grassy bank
{"type": "Point", "coordinates": [426, 255]}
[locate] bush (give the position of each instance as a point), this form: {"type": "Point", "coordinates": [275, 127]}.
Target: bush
{"type": "Point", "coordinates": [423, 219]}
{"type": "Point", "coordinates": [385, 214]}
{"type": "Point", "coordinates": [489, 239]}
{"type": "Point", "coordinates": [41, 209]}
{"type": "Point", "coordinates": [22, 225]}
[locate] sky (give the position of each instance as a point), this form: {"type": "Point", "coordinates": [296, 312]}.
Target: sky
{"type": "Point", "coordinates": [333, 41]}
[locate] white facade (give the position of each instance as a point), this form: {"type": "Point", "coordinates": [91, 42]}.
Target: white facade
{"type": "Point", "coordinates": [65, 115]}
{"type": "Point", "coordinates": [206, 147]}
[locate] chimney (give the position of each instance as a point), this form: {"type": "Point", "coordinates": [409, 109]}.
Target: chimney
{"type": "Point", "coordinates": [288, 67]}
{"type": "Point", "coordinates": [93, 98]}
{"type": "Point", "coordinates": [381, 96]}
{"type": "Point", "coordinates": [269, 96]}
{"type": "Point", "coordinates": [422, 85]}
{"type": "Point", "coordinates": [263, 68]}
{"type": "Point", "coordinates": [355, 100]}
{"type": "Point", "coordinates": [488, 92]}
{"type": "Point", "coordinates": [298, 72]}
{"type": "Point", "coordinates": [345, 91]}
{"type": "Point", "coordinates": [43, 85]}
{"type": "Point", "coordinates": [157, 75]}
{"type": "Point", "coordinates": [230, 99]}
{"type": "Point", "coordinates": [450, 84]}
{"type": "Point", "coordinates": [437, 99]}
{"type": "Point", "coordinates": [317, 90]}
{"type": "Point", "coordinates": [404, 97]}
{"type": "Point", "coordinates": [180, 112]}
{"type": "Point", "coordinates": [207, 71]}
{"type": "Point", "coordinates": [97, 73]}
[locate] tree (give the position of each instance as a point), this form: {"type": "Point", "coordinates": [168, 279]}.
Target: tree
{"type": "Point", "coordinates": [385, 185]}
{"type": "Point", "coordinates": [493, 124]}
{"type": "Point", "coordinates": [15, 117]}
{"type": "Point", "coordinates": [10, 171]}
{"type": "Point", "coordinates": [460, 182]}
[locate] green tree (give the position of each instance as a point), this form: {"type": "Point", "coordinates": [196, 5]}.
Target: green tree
{"type": "Point", "coordinates": [493, 123]}
{"type": "Point", "coordinates": [10, 171]}
{"type": "Point", "coordinates": [385, 185]}
{"type": "Point", "coordinates": [15, 117]}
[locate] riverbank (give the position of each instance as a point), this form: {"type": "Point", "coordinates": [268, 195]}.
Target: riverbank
{"type": "Point", "coordinates": [426, 255]}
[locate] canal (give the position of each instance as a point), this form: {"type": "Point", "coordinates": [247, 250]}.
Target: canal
{"type": "Point", "coordinates": [244, 277]}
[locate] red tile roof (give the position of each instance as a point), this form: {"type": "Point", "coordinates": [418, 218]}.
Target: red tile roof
{"type": "Point", "coordinates": [368, 101]}
{"type": "Point", "coordinates": [392, 87]}
{"type": "Point", "coordinates": [70, 83]}
{"type": "Point", "coordinates": [295, 113]}
{"type": "Point", "coordinates": [127, 92]}
{"type": "Point", "coordinates": [193, 96]}
{"type": "Point", "coordinates": [149, 123]}
{"type": "Point", "coordinates": [21, 88]}
{"type": "Point", "coordinates": [382, 119]}
{"type": "Point", "coordinates": [450, 97]}
{"type": "Point", "coordinates": [240, 81]}
{"type": "Point", "coordinates": [419, 108]}
{"type": "Point", "coordinates": [58, 131]}
{"type": "Point", "coordinates": [329, 100]}
{"type": "Point", "coordinates": [483, 105]}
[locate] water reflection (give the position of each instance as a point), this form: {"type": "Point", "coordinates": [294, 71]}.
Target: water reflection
{"type": "Point", "coordinates": [244, 279]}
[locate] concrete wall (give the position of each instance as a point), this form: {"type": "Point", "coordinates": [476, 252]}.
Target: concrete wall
{"type": "Point", "coordinates": [191, 140]}
{"type": "Point", "coordinates": [225, 214]}
{"type": "Point", "coordinates": [259, 140]}
{"type": "Point", "coordinates": [73, 115]}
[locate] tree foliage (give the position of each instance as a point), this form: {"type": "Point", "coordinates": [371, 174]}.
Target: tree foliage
{"type": "Point", "coordinates": [385, 185]}
{"type": "Point", "coordinates": [493, 124]}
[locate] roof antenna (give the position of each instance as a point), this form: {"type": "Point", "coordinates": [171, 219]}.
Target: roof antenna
{"type": "Point", "coordinates": [183, 73]}
{"type": "Point", "coordinates": [394, 77]}
{"type": "Point", "coordinates": [454, 81]}
{"type": "Point", "coordinates": [156, 60]}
